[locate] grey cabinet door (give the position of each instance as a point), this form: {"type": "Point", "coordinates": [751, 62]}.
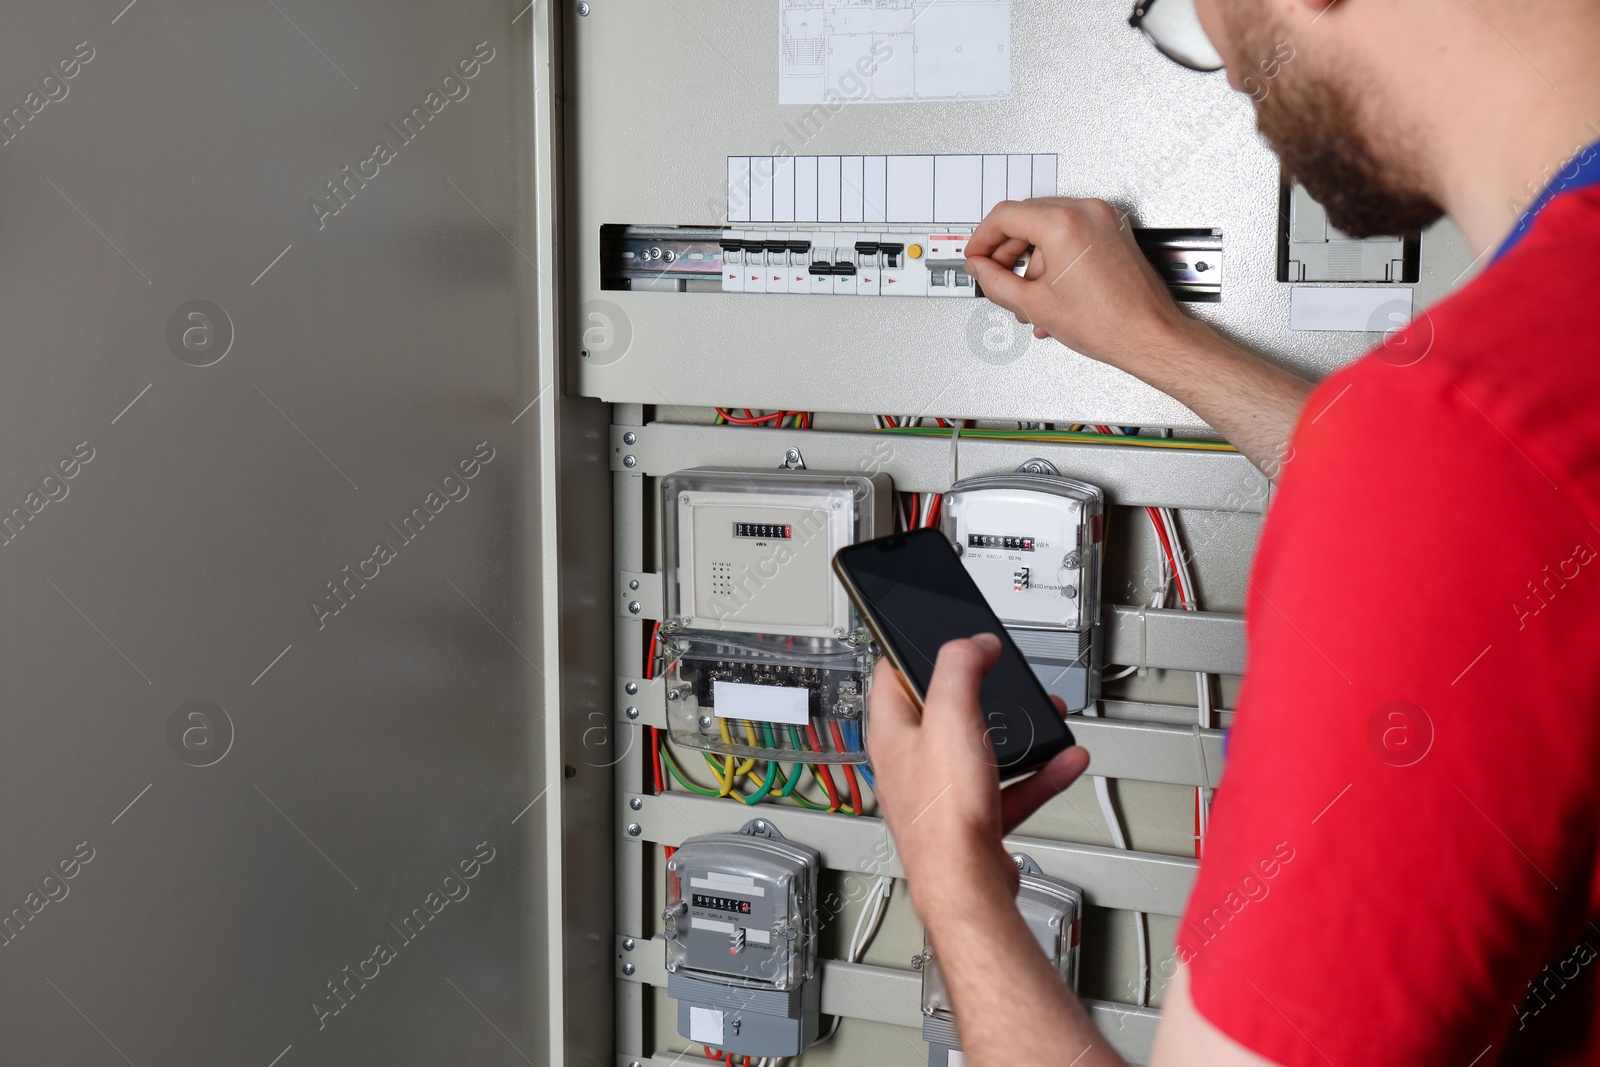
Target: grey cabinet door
{"type": "Point", "coordinates": [270, 511]}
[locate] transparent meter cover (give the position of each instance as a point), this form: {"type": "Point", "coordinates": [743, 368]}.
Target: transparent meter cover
{"type": "Point", "coordinates": [773, 698]}
{"type": "Point", "coordinates": [741, 911]}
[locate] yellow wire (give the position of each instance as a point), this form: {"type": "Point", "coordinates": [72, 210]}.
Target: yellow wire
{"type": "Point", "coordinates": [744, 768]}
{"type": "Point", "coordinates": [1194, 445]}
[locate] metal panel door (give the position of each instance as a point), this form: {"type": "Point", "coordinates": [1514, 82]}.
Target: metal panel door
{"type": "Point", "coordinates": [271, 737]}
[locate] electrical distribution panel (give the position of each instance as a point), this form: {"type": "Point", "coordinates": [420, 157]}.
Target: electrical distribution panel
{"type": "Point", "coordinates": [1032, 544]}
{"type": "Point", "coordinates": [766, 657]}
{"type": "Point", "coordinates": [1053, 910]}
{"type": "Point", "coordinates": [741, 941]}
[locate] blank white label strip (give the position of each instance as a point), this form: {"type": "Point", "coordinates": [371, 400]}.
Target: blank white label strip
{"type": "Point", "coordinates": [882, 189]}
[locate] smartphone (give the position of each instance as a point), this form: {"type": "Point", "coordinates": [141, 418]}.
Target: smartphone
{"type": "Point", "coordinates": [914, 594]}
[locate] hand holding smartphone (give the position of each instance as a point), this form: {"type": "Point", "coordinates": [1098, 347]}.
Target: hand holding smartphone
{"type": "Point", "coordinates": [914, 596]}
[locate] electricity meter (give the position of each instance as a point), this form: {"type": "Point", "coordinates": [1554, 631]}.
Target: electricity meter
{"type": "Point", "coordinates": [766, 657]}
{"type": "Point", "coordinates": [741, 941]}
{"type": "Point", "coordinates": [1053, 910]}
{"type": "Point", "coordinates": [1031, 542]}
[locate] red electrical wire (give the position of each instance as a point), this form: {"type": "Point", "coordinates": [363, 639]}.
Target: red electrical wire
{"type": "Point", "coordinates": [1172, 559]}
{"type": "Point", "coordinates": [933, 510]}
{"type": "Point", "coordinates": [655, 738]}
{"type": "Point", "coordinates": [655, 756]}
{"type": "Point", "coordinates": [827, 779]}
{"type": "Point", "coordinates": [911, 515]}
{"type": "Point", "coordinates": [712, 1056]}
{"type": "Point", "coordinates": [849, 773]}
{"type": "Point", "coordinates": [650, 655]}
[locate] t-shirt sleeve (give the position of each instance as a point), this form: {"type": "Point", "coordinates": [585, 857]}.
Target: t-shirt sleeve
{"type": "Point", "coordinates": [1405, 833]}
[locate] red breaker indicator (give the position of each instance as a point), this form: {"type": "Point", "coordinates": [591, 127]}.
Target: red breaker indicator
{"type": "Point", "coordinates": [765, 531]}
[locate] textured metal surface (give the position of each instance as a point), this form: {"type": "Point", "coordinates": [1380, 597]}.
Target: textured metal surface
{"type": "Point", "coordinates": [885, 995]}
{"type": "Point", "coordinates": [1175, 640]}
{"type": "Point", "coordinates": [250, 850]}
{"type": "Point", "coordinates": [1147, 752]}
{"type": "Point", "coordinates": [1177, 148]}
{"type": "Point", "coordinates": [1130, 475]}
{"type": "Point", "coordinates": [1136, 881]}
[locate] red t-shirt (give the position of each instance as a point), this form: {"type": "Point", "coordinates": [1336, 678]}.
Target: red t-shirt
{"type": "Point", "coordinates": [1406, 836]}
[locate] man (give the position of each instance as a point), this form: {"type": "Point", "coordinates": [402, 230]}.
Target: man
{"type": "Point", "coordinates": [1402, 862]}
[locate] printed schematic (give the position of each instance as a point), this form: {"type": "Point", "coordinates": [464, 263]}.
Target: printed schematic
{"type": "Point", "coordinates": [893, 51]}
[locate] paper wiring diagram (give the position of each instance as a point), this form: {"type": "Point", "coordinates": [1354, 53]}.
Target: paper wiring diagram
{"type": "Point", "coordinates": [915, 50]}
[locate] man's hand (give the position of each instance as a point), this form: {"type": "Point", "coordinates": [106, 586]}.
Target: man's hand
{"type": "Point", "coordinates": [1088, 286]}
{"type": "Point", "coordinates": [938, 782]}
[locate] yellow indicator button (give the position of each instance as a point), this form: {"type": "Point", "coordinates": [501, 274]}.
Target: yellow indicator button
{"type": "Point", "coordinates": [915, 252]}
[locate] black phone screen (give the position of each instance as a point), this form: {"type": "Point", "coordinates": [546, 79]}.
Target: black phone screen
{"type": "Point", "coordinates": [919, 596]}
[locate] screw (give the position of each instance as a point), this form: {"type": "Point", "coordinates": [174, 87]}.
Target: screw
{"type": "Point", "coordinates": [705, 722]}
{"type": "Point", "coordinates": [627, 944]}
{"type": "Point", "coordinates": [632, 713]}
{"type": "Point", "coordinates": [916, 963]}
{"type": "Point", "coordinates": [761, 824]}
{"type": "Point", "coordinates": [669, 255]}
{"type": "Point", "coordinates": [583, 9]}
{"type": "Point", "coordinates": [630, 461]}
{"type": "Point", "coordinates": [629, 438]}
{"type": "Point", "coordinates": [635, 804]}
{"type": "Point", "coordinates": [792, 455]}
{"type": "Point", "coordinates": [634, 607]}
{"type": "Point", "coordinates": [631, 688]}
{"type": "Point", "coordinates": [633, 583]}
{"type": "Point", "coordinates": [633, 1063]}
{"type": "Point", "coordinates": [628, 968]}
{"type": "Point", "coordinates": [634, 829]}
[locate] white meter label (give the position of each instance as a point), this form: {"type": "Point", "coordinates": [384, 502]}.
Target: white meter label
{"type": "Point", "coordinates": [761, 703]}
{"type": "Point", "coordinates": [705, 1025]}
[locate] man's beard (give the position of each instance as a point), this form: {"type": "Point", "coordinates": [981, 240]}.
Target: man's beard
{"type": "Point", "coordinates": [1313, 123]}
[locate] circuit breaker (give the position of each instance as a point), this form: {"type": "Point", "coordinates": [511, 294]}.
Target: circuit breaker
{"type": "Point", "coordinates": [766, 657]}
{"type": "Point", "coordinates": [1053, 910]}
{"type": "Point", "coordinates": [741, 941]}
{"type": "Point", "coordinates": [1031, 542]}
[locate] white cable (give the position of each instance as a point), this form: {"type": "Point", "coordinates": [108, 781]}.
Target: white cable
{"type": "Point", "coordinates": [1102, 793]}
{"type": "Point", "coordinates": [1202, 681]}
{"type": "Point", "coordinates": [868, 920]}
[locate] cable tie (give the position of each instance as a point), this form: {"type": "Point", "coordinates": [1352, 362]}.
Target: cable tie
{"type": "Point", "coordinates": [1144, 635]}
{"type": "Point", "coordinates": [955, 455]}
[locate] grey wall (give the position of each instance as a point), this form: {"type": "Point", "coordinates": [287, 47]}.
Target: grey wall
{"type": "Point", "coordinates": [370, 754]}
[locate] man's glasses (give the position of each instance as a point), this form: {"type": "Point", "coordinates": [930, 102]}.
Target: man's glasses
{"type": "Point", "coordinates": [1174, 28]}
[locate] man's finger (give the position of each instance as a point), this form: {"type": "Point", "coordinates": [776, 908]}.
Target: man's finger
{"type": "Point", "coordinates": [1021, 799]}
{"type": "Point", "coordinates": [998, 283]}
{"type": "Point", "coordinates": [1008, 219]}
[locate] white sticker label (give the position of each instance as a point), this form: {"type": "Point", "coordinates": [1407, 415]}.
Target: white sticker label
{"type": "Point", "coordinates": [1355, 309]}
{"type": "Point", "coordinates": [928, 189]}
{"type": "Point", "coordinates": [957, 1058]}
{"type": "Point", "coordinates": [705, 1025]}
{"type": "Point", "coordinates": [893, 51]}
{"type": "Point", "coordinates": [761, 703]}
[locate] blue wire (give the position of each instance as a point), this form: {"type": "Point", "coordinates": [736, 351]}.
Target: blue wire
{"type": "Point", "coordinates": [851, 732]}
